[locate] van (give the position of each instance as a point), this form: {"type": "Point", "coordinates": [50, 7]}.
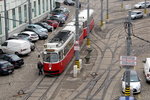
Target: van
{"type": "Point", "coordinates": [147, 69]}
{"type": "Point", "coordinates": [18, 47]}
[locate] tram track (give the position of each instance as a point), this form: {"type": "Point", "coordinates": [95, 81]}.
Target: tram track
{"type": "Point", "coordinates": [90, 86]}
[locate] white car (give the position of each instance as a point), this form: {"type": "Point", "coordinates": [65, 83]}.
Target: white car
{"type": "Point", "coordinates": [18, 47]}
{"type": "Point", "coordinates": [35, 26]}
{"type": "Point", "coordinates": [142, 5]}
{"type": "Point", "coordinates": [136, 14]}
{"type": "Point", "coordinates": [32, 35]}
{"type": "Point", "coordinates": [147, 69]}
{"type": "Point", "coordinates": [135, 83]}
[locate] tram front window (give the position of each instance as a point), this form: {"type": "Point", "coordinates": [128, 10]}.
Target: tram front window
{"type": "Point", "coordinates": [51, 57]}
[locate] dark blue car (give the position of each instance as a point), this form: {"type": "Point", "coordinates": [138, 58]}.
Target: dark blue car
{"type": "Point", "coordinates": [126, 98]}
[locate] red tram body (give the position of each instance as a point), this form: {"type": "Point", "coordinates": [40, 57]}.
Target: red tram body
{"type": "Point", "coordinates": [59, 50]}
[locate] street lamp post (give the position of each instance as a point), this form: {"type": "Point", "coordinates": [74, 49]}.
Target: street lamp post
{"type": "Point", "coordinates": [29, 12]}
{"type": "Point", "coordinates": [145, 10]}
{"type": "Point", "coordinates": [6, 19]}
{"type": "Point", "coordinates": [101, 22]}
{"type": "Point", "coordinates": [88, 27]}
{"type": "Point", "coordinates": [77, 35]}
{"type": "Point", "coordinates": [107, 14]}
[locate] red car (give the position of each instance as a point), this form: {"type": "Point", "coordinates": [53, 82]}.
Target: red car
{"type": "Point", "coordinates": [53, 23]}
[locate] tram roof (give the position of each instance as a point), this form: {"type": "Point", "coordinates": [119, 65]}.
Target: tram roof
{"type": "Point", "coordinates": [62, 36]}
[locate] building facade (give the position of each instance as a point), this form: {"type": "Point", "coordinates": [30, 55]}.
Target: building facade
{"type": "Point", "coordinates": [18, 17]}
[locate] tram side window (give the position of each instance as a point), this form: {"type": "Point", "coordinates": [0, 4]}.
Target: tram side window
{"type": "Point", "coordinates": [61, 55]}
{"type": "Point", "coordinates": [68, 46]}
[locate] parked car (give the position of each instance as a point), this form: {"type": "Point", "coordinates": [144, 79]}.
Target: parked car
{"type": "Point", "coordinates": [136, 14]}
{"type": "Point", "coordinates": [45, 25]}
{"type": "Point", "coordinates": [53, 23]}
{"type": "Point", "coordinates": [32, 35]}
{"type": "Point", "coordinates": [6, 67]}
{"type": "Point", "coordinates": [69, 2]}
{"type": "Point", "coordinates": [142, 5]}
{"type": "Point", "coordinates": [126, 98]}
{"type": "Point", "coordinates": [13, 59]}
{"type": "Point", "coordinates": [59, 20]}
{"type": "Point", "coordinates": [35, 26]}
{"type": "Point", "coordinates": [135, 83]}
{"type": "Point", "coordinates": [22, 36]}
{"type": "Point", "coordinates": [42, 35]}
{"type": "Point", "coordinates": [18, 47]}
{"type": "Point", "coordinates": [147, 69]}
{"type": "Point", "coordinates": [61, 10]}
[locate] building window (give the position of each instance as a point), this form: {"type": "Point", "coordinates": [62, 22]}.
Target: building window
{"type": "Point", "coordinates": [47, 5]}
{"type": "Point", "coordinates": [39, 4]}
{"type": "Point", "coordinates": [20, 15]}
{"type": "Point", "coordinates": [0, 25]}
{"type": "Point", "coordinates": [43, 5]}
{"type": "Point", "coordinates": [34, 8]}
{"type": "Point", "coordinates": [25, 13]}
{"type": "Point", "coordinates": [14, 17]}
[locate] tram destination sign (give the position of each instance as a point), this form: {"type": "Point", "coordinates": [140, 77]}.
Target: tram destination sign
{"type": "Point", "coordinates": [128, 60]}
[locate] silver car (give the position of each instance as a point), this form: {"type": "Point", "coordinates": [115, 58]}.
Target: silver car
{"type": "Point", "coordinates": [142, 5]}
{"type": "Point", "coordinates": [136, 14]}
{"type": "Point", "coordinates": [135, 83]}
{"type": "Point", "coordinates": [35, 26]}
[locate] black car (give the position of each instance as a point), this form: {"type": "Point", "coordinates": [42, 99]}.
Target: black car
{"type": "Point", "coordinates": [42, 35]}
{"type": "Point", "coordinates": [13, 59]}
{"type": "Point", "coordinates": [6, 67]}
{"type": "Point", "coordinates": [59, 20]}
{"type": "Point", "coordinates": [60, 10]}
{"type": "Point", "coordinates": [45, 25]}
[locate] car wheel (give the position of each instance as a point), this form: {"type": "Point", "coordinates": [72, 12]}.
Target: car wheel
{"type": "Point", "coordinates": [140, 7]}
{"type": "Point", "coordinates": [1, 51]}
{"type": "Point", "coordinates": [32, 48]}
{"type": "Point", "coordinates": [17, 53]}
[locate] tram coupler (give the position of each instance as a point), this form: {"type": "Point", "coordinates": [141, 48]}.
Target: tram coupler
{"type": "Point", "coordinates": [87, 58]}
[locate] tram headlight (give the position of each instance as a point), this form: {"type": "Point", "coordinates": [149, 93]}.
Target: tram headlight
{"type": "Point", "coordinates": [50, 68]}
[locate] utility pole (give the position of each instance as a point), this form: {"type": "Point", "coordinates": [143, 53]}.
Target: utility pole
{"type": "Point", "coordinates": [127, 82]}
{"type": "Point", "coordinates": [88, 27]}
{"type": "Point", "coordinates": [77, 35]}
{"type": "Point", "coordinates": [29, 12]}
{"type": "Point", "coordinates": [145, 10]}
{"type": "Point", "coordinates": [101, 22]}
{"type": "Point", "coordinates": [6, 19]}
{"type": "Point", "coordinates": [107, 14]}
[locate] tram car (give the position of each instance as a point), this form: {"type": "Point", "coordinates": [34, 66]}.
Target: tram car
{"type": "Point", "coordinates": [59, 51]}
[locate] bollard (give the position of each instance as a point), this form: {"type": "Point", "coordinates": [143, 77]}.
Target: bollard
{"type": "Point", "coordinates": [75, 71]}
{"type": "Point", "coordinates": [89, 50]}
{"type": "Point", "coordinates": [87, 58]}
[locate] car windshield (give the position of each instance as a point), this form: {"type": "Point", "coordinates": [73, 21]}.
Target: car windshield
{"type": "Point", "coordinates": [134, 78]}
{"type": "Point", "coordinates": [22, 35]}
{"type": "Point", "coordinates": [51, 57]}
{"type": "Point", "coordinates": [3, 65]}
{"type": "Point", "coordinates": [15, 57]}
{"type": "Point", "coordinates": [39, 27]}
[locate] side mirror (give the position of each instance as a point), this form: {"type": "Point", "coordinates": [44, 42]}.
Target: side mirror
{"type": "Point", "coordinates": [144, 61]}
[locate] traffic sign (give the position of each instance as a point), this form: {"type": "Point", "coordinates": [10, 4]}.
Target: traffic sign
{"type": "Point", "coordinates": [128, 60]}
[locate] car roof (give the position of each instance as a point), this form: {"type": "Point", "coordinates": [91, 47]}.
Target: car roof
{"type": "Point", "coordinates": [3, 61]}
{"type": "Point", "coordinates": [136, 11]}
{"type": "Point", "coordinates": [17, 41]}
{"type": "Point", "coordinates": [28, 32]}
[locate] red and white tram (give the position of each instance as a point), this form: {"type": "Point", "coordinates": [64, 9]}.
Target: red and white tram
{"type": "Point", "coordinates": [60, 49]}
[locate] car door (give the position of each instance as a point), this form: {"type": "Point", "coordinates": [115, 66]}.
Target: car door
{"type": "Point", "coordinates": [138, 14]}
